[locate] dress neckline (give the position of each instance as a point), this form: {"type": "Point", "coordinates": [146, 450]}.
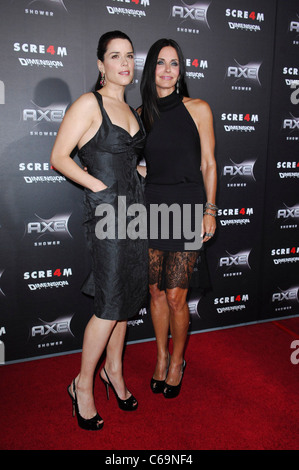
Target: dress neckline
{"type": "Point", "coordinates": [169, 102]}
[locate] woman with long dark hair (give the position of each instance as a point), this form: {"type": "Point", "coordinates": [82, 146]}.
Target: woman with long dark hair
{"type": "Point", "coordinates": [181, 171]}
{"type": "Point", "coordinates": [110, 136]}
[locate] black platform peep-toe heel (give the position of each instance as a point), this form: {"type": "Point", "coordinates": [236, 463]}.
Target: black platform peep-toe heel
{"type": "Point", "coordinates": [172, 391]}
{"type": "Point", "coordinates": [157, 386]}
{"type": "Point", "coordinates": [130, 404]}
{"type": "Point", "coordinates": [93, 424]}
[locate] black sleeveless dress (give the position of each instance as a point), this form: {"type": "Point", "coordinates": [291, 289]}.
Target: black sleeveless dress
{"type": "Point", "coordinates": [119, 278]}
{"type": "Point", "coordinates": [173, 158]}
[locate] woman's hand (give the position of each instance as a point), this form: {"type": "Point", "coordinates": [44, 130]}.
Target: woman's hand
{"type": "Point", "coordinates": [208, 227]}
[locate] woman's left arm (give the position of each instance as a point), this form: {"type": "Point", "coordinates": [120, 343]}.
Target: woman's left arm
{"type": "Point", "coordinates": [204, 121]}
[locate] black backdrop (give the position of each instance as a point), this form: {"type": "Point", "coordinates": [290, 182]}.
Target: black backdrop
{"type": "Point", "coordinates": [242, 58]}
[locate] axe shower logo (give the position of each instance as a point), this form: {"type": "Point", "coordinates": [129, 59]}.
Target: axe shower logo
{"type": "Point", "coordinates": [49, 6]}
{"type": "Point", "coordinates": [291, 126]}
{"type": "Point", "coordinates": [191, 17]}
{"type": "Point", "coordinates": [243, 77]}
{"type": "Point", "coordinates": [294, 30]}
{"type": "Point", "coordinates": [234, 264]}
{"type": "Point", "coordinates": [239, 174]}
{"type": "Point", "coordinates": [50, 334]}
{"type": "Point", "coordinates": [288, 217]}
{"type": "Point", "coordinates": [285, 299]}
{"type": "Point", "coordinates": [47, 232]}
{"type": "Point", "coordinates": [44, 120]}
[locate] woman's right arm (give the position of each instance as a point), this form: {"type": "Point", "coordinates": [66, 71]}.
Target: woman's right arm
{"type": "Point", "coordinates": [76, 127]}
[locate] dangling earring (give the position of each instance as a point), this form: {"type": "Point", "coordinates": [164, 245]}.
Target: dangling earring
{"type": "Point", "coordinates": [102, 81]}
{"type": "Point", "coordinates": [178, 86]}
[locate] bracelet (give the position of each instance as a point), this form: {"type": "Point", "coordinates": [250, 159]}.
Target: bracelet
{"type": "Point", "coordinates": [209, 213]}
{"type": "Point", "coordinates": [211, 206]}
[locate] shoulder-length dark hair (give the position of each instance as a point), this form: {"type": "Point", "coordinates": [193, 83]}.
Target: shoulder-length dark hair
{"type": "Point", "coordinates": [148, 86]}
{"type": "Point", "coordinates": [103, 46]}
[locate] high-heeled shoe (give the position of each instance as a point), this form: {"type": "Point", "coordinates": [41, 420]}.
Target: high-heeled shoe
{"type": "Point", "coordinates": [130, 404]}
{"type": "Point", "coordinates": [157, 386]}
{"type": "Point", "coordinates": [172, 391]}
{"type": "Point", "coordinates": [93, 424]}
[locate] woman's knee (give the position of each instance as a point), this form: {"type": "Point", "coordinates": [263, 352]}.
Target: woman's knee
{"type": "Point", "coordinates": [176, 298]}
{"type": "Point", "coordinates": [157, 295]}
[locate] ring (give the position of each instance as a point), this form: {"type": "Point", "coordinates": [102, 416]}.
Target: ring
{"type": "Point", "coordinates": [209, 234]}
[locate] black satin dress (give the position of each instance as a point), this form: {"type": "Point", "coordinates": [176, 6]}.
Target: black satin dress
{"type": "Point", "coordinates": [119, 277]}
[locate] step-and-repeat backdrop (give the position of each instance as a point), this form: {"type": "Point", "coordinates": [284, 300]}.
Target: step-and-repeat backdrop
{"type": "Point", "coordinates": [242, 58]}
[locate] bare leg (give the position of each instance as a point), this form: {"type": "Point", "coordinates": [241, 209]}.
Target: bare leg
{"type": "Point", "coordinates": [96, 336]}
{"type": "Point", "coordinates": [160, 318]}
{"type": "Point", "coordinates": [179, 324]}
{"type": "Point", "coordinates": [113, 363]}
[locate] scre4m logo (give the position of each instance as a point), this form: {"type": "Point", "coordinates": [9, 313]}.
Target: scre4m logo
{"type": "Point", "coordinates": [40, 49]}
{"type": "Point", "coordinates": [49, 273]}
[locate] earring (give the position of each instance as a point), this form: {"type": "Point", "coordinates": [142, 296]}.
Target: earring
{"type": "Point", "coordinates": [102, 81]}
{"type": "Point", "coordinates": [178, 87]}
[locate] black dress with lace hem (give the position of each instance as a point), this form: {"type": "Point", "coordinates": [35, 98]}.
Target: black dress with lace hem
{"type": "Point", "coordinates": [173, 159]}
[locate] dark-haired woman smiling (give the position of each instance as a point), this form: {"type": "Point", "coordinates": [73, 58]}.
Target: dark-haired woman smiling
{"type": "Point", "coordinates": [181, 169]}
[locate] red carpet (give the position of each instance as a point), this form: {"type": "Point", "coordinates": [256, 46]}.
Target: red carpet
{"type": "Point", "coordinates": [240, 392]}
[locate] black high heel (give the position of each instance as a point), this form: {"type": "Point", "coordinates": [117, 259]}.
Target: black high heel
{"type": "Point", "coordinates": [157, 386]}
{"type": "Point", "coordinates": [130, 404]}
{"type": "Point", "coordinates": [92, 424]}
{"type": "Point", "coordinates": [172, 391]}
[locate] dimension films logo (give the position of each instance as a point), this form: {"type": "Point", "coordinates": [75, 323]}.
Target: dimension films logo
{"type": "Point", "coordinates": [190, 18]}
{"type": "Point", "coordinates": [232, 303]}
{"type": "Point", "coordinates": [47, 51]}
{"type": "Point", "coordinates": [233, 265]}
{"type": "Point", "coordinates": [292, 82]}
{"type": "Point", "coordinates": [129, 11]}
{"type": "Point", "coordinates": [35, 168]}
{"type": "Point", "coordinates": [239, 174]}
{"type": "Point", "coordinates": [50, 334]}
{"type": "Point", "coordinates": [49, 278]}
{"type": "Point", "coordinates": [288, 169]}
{"type": "Point", "coordinates": [235, 216]}
{"type": "Point", "coordinates": [283, 256]}
{"type": "Point", "coordinates": [239, 122]}
{"type": "Point", "coordinates": [285, 299]}
{"type": "Point", "coordinates": [243, 77]}
{"type": "Point", "coordinates": [47, 232]}
{"type": "Point", "coordinates": [244, 20]}
{"type": "Point", "coordinates": [195, 68]}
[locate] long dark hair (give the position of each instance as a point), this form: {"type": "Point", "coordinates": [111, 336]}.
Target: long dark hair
{"type": "Point", "coordinates": [148, 86]}
{"type": "Point", "coordinates": [103, 45]}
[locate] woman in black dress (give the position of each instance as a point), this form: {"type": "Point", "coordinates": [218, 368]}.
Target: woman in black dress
{"type": "Point", "coordinates": [181, 169]}
{"type": "Point", "coordinates": [110, 137]}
